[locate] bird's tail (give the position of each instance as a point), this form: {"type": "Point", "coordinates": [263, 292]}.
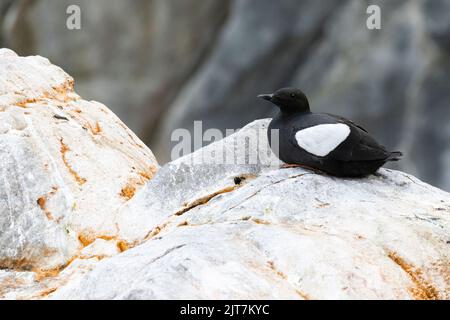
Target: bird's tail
{"type": "Point", "coordinates": [394, 156]}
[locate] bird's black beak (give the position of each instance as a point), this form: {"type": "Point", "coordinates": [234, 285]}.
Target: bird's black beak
{"type": "Point", "coordinates": [267, 97]}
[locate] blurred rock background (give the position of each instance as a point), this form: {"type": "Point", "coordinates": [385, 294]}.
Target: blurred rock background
{"type": "Point", "coordinates": [161, 64]}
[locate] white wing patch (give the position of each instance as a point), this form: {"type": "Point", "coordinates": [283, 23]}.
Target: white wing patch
{"type": "Point", "coordinates": [320, 140]}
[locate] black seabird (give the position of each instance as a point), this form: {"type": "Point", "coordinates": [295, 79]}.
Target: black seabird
{"type": "Point", "coordinates": [321, 141]}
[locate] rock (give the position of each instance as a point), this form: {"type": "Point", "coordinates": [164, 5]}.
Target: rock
{"type": "Point", "coordinates": [192, 180]}
{"type": "Point", "coordinates": [66, 164]}
{"type": "Point", "coordinates": [200, 228]}
{"type": "Point", "coordinates": [279, 234]}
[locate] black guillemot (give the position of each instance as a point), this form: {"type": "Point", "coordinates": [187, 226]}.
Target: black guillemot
{"type": "Point", "coordinates": [322, 141]}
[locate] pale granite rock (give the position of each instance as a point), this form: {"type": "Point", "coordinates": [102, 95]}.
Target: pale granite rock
{"type": "Point", "coordinates": [278, 233]}
{"type": "Point", "coordinates": [193, 179]}
{"type": "Point", "coordinates": [198, 229]}
{"type": "Point", "coordinates": [65, 165]}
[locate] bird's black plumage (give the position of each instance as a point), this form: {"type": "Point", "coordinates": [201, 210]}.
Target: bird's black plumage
{"type": "Point", "coordinates": [356, 154]}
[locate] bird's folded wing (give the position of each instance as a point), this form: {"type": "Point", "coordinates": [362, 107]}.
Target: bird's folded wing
{"type": "Point", "coordinates": [340, 141]}
{"type": "Point", "coordinates": [360, 146]}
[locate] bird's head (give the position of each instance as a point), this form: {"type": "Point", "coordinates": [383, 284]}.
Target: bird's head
{"type": "Point", "coordinates": [289, 100]}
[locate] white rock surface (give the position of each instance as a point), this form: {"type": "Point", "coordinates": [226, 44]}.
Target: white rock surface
{"type": "Point", "coordinates": [291, 234]}
{"type": "Point", "coordinates": [193, 179]}
{"type": "Point", "coordinates": [207, 230]}
{"type": "Point", "coordinates": [65, 165]}
{"type": "Point", "coordinates": [280, 233]}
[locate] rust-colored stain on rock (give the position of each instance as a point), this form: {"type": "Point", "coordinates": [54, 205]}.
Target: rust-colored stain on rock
{"type": "Point", "coordinates": [23, 103]}
{"type": "Point", "coordinates": [155, 231]}
{"type": "Point", "coordinates": [133, 184]}
{"type": "Point", "coordinates": [122, 245]}
{"type": "Point", "coordinates": [63, 93]}
{"type": "Point", "coordinates": [42, 203]}
{"type": "Point", "coordinates": [88, 238]}
{"type": "Point", "coordinates": [97, 128]}
{"type": "Point", "coordinates": [203, 200]}
{"type": "Point", "coordinates": [64, 150]}
{"type": "Point", "coordinates": [422, 289]}
{"type": "Point", "coordinates": [128, 191]}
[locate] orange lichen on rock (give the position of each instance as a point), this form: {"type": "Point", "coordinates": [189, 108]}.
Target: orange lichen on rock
{"type": "Point", "coordinates": [146, 175]}
{"type": "Point", "coordinates": [85, 240]}
{"type": "Point", "coordinates": [23, 103]}
{"type": "Point", "coordinates": [122, 245]}
{"type": "Point", "coordinates": [88, 238]}
{"type": "Point", "coordinates": [42, 202]}
{"type": "Point", "coordinates": [62, 93]}
{"type": "Point", "coordinates": [97, 128]}
{"type": "Point", "coordinates": [422, 289]}
{"type": "Point", "coordinates": [94, 129]}
{"type": "Point", "coordinates": [64, 149]}
{"type": "Point", "coordinates": [128, 191]}
{"type": "Point", "coordinates": [133, 184]}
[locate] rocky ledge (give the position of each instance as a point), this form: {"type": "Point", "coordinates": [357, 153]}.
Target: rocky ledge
{"type": "Point", "coordinates": [86, 214]}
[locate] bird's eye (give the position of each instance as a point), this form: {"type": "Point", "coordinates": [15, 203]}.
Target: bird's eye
{"type": "Point", "coordinates": [292, 95]}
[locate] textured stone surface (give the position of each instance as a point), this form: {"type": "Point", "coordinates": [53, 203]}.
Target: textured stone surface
{"type": "Point", "coordinates": [275, 233]}
{"type": "Point", "coordinates": [194, 179]}
{"type": "Point", "coordinates": [84, 216]}
{"type": "Point", "coordinates": [65, 165]}
{"type": "Point", "coordinates": [279, 233]}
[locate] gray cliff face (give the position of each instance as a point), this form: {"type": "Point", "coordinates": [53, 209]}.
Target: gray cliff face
{"type": "Point", "coordinates": [179, 61]}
